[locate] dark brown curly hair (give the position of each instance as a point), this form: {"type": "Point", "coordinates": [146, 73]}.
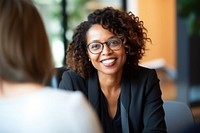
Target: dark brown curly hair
{"type": "Point", "coordinates": [119, 23]}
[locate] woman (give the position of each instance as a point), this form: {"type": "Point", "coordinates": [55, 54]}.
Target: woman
{"type": "Point", "coordinates": [26, 105]}
{"type": "Point", "coordinates": [103, 60]}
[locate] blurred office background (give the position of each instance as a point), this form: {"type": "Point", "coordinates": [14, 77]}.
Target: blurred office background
{"type": "Point", "coordinates": [173, 26]}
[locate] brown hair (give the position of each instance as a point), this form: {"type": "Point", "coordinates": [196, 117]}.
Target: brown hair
{"type": "Point", "coordinates": [119, 23]}
{"type": "Point", "coordinates": [25, 54]}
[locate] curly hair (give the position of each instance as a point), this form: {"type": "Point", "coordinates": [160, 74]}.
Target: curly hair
{"type": "Point", "coordinates": [119, 23]}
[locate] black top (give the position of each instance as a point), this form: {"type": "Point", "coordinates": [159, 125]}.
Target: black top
{"type": "Point", "coordinates": [141, 107]}
{"type": "Point", "coordinates": [110, 125]}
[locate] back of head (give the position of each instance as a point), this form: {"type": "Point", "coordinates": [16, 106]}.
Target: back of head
{"type": "Point", "coordinates": [25, 54]}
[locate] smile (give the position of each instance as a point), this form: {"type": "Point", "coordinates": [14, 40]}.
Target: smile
{"type": "Point", "coordinates": [108, 62]}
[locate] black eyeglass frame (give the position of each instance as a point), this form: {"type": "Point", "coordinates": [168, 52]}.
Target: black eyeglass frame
{"type": "Point", "coordinates": [123, 41]}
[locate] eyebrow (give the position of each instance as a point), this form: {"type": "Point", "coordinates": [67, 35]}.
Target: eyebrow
{"type": "Point", "coordinates": [113, 36]}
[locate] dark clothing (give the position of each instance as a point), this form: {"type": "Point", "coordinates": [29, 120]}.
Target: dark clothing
{"type": "Point", "coordinates": [140, 99]}
{"type": "Point", "coordinates": [110, 125]}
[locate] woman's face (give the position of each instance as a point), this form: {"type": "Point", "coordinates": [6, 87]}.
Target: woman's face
{"type": "Point", "coordinates": [108, 61]}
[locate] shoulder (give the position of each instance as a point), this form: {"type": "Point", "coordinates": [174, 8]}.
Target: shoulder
{"type": "Point", "coordinates": [143, 78]}
{"type": "Point", "coordinates": [57, 99]}
{"type": "Point", "coordinates": [73, 106]}
{"type": "Point", "coordinates": [149, 76]}
{"type": "Point", "coordinates": [147, 80]}
{"type": "Point", "coordinates": [64, 110]}
{"type": "Point", "coordinates": [72, 75]}
{"type": "Point", "coordinates": [58, 95]}
{"type": "Point", "coordinates": [72, 81]}
{"type": "Point", "coordinates": [142, 73]}
{"type": "Point", "coordinates": [145, 70]}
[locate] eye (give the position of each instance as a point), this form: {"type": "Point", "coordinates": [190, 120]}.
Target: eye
{"type": "Point", "coordinates": [114, 42]}
{"type": "Point", "coordinates": [95, 46]}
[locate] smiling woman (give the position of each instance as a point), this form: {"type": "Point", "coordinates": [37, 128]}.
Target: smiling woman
{"type": "Point", "coordinates": [103, 60]}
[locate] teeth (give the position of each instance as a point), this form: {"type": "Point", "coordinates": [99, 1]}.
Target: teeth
{"type": "Point", "coordinates": [108, 61]}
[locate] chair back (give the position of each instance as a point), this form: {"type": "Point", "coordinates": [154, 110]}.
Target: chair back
{"type": "Point", "coordinates": [56, 78]}
{"type": "Point", "coordinates": [178, 116]}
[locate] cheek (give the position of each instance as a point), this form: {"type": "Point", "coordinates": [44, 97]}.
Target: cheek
{"type": "Point", "coordinates": [92, 57]}
{"type": "Point", "coordinates": [123, 56]}
{"type": "Point", "coordinates": [94, 61]}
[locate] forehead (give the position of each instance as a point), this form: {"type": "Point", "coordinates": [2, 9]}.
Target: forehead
{"type": "Point", "coordinates": [97, 32]}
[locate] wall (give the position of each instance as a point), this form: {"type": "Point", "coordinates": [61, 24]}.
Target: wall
{"type": "Point", "coordinates": [159, 19]}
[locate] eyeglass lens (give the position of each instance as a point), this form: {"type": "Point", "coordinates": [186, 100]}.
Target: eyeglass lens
{"type": "Point", "coordinates": [113, 44]}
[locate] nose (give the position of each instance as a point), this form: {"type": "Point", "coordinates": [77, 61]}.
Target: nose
{"type": "Point", "coordinates": [106, 50]}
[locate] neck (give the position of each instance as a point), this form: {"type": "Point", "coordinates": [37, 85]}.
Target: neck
{"type": "Point", "coordinates": [10, 89]}
{"type": "Point", "coordinates": [110, 83]}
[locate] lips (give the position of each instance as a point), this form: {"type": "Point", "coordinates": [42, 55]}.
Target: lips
{"type": "Point", "coordinates": [108, 62]}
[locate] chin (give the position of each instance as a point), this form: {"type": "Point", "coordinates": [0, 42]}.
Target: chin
{"type": "Point", "coordinates": [110, 72]}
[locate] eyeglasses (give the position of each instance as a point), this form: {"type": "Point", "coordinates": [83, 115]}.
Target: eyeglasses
{"type": "Point", "coordinates": [114, 44]}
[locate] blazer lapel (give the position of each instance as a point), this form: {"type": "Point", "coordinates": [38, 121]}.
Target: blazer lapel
{"type": "Point", "coordinates": [124, 103]}
{"type": "Point", "coordinates": [125, 92]}
{"type": "Point", "coordinates": [93, 91]}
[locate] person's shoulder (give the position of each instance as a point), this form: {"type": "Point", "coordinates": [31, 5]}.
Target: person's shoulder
{"type": "Point", "coordinates": [72, 74]}
{"type": "Point", "coordinates": [70, 108]}
{"type": "Point", "coordinates": [145, 69]}
{"type": "Point", "coordinates": [140, 74]}
{"type": "Point", "coordinates": [63, 94]}
{"type": "Point", "coordinates": [64, 99]}
{"type": "Point", "coordinates": [141, 70]}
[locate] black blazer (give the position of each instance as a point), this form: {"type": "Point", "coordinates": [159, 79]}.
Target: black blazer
{"type": "Point", "coordinates": [141, 103]}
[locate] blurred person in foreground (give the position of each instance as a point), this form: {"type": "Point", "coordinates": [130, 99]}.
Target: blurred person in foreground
{"type": "Point", "coordinates": [103, 62]}
{"type": "Point", "coordinates": [26, 105]}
